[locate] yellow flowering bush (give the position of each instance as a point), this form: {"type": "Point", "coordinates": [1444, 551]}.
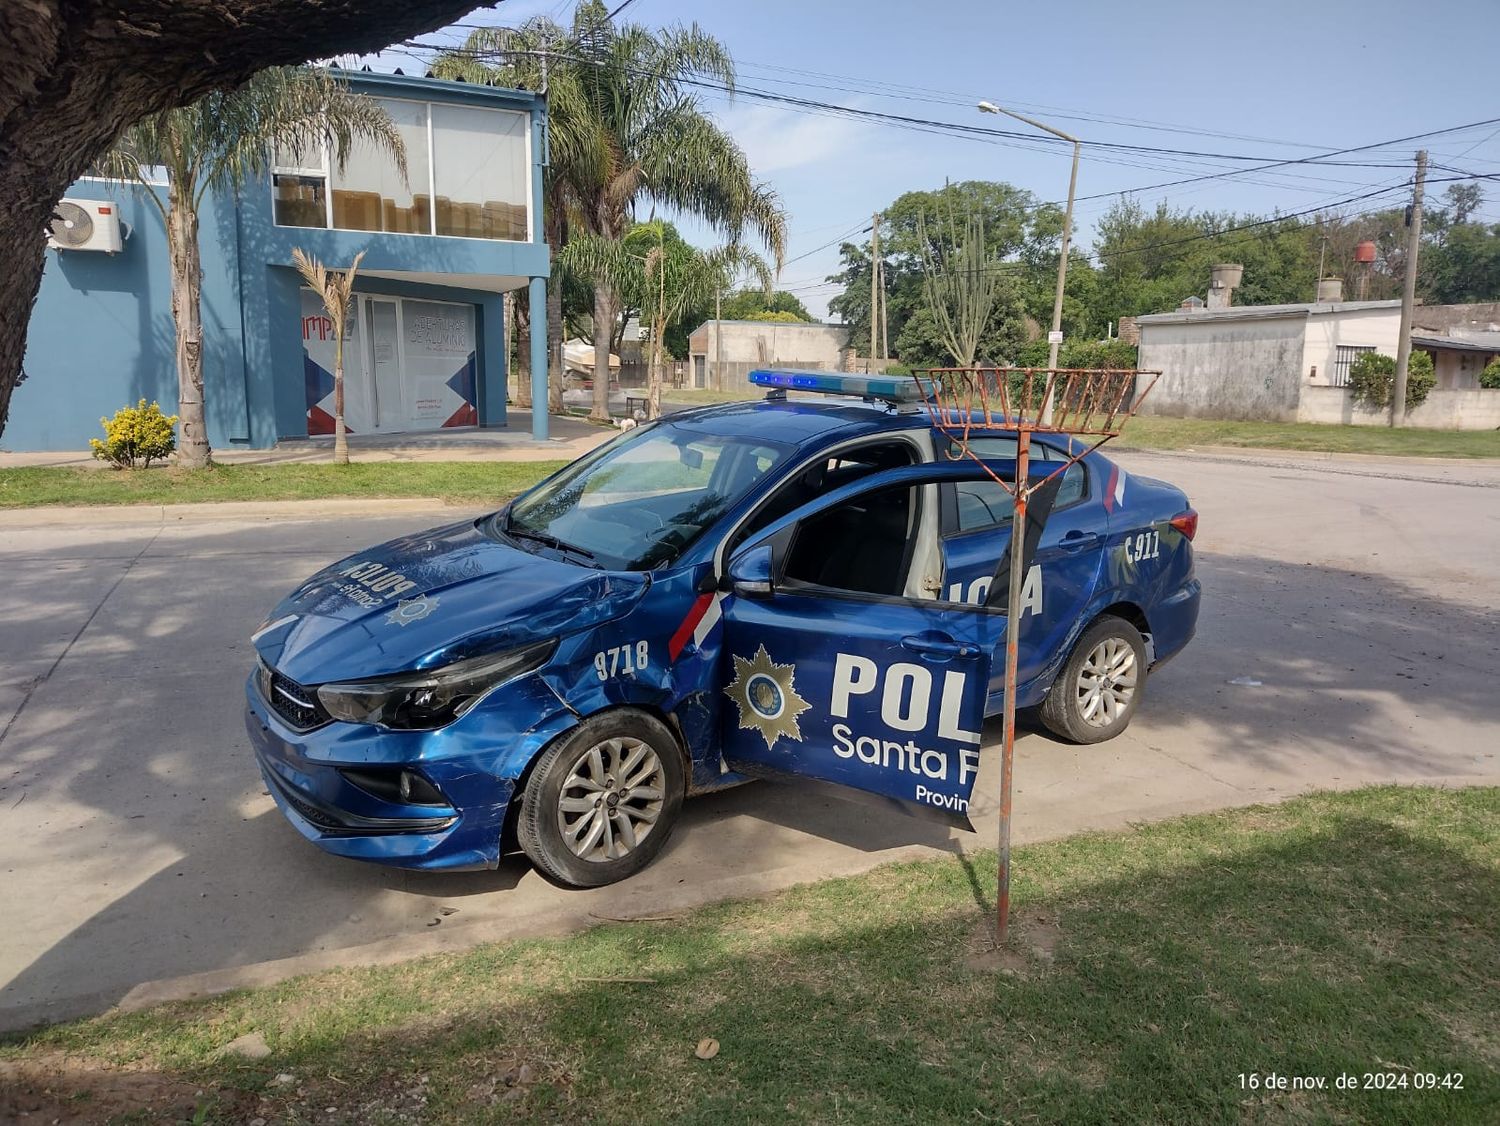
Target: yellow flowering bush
{"type": "Point", "coordinates": [136, 434]}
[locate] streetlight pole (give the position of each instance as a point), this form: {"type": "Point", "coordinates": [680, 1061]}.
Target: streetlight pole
{"type": "Point", "coordinates": [1054, 338]}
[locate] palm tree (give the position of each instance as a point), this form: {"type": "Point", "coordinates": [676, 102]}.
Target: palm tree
{"type": "Point", "coordinates": [336, 290]}
{"type": "Point", "coordinates": [654, 270]}
{"type": "Point", "coordinates": [220, 141]}
{"type": "Point", "coordinates": [626, 128]}
{"type": "Point", "coordinates": [520, 58]}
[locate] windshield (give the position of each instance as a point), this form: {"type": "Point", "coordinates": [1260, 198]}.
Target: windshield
{"type": "Point", "coordinates": [637, 502]}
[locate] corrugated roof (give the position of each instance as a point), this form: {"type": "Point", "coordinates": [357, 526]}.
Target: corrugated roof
{"type": "Point", "coordinates": [1475, 342]}
{"type": "Point", "coordinates": [1265, 312]}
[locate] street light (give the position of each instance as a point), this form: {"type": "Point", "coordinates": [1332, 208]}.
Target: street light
{"type": "Point", "coordinates": [1054, 338]}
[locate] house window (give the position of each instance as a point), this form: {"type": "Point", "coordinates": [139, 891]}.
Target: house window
{"type": "Point", "coordinates": [1343, 357]}
{"type": "Point", "coordinates": [369, 193]}
{"type": "Point", "coordinates": [468, 176]}
{"type": "Point", "coordinates": [480, 173]}
{"type": "Point", "coordinates": [299, 186]}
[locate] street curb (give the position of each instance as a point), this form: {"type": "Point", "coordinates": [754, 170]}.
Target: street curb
{"type": "Point", "coordinates": [122, 515]}
{"type": "Point", "coordinates": [571, 920]}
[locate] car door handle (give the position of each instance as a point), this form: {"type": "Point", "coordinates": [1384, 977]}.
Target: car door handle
{"type": "Point", "coordinates": [944, 647]}
{"type": "Point", "coordinates": [1078, 541]}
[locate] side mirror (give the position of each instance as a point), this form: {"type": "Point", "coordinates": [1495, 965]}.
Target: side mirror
{"type": "Point", "coordinates": [750, 572]}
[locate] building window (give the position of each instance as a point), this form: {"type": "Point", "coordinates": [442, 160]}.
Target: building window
{"type": "Point", "coordinates": [1343, 356]}
{"type": "Point", "coordinates": [369, 193]}
{"type": "Point", "coordinates": [474, 163]}
{"type": "Point", "coordinates": [480, 172]}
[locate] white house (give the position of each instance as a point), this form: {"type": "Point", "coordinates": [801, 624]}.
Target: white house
{"type": "Point", "coordinates": [748, 345]}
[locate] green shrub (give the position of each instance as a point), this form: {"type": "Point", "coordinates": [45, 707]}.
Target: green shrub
{"type": "Point", "coordinates": [1373, 374]}
{"type": "Point", "coordinates": [136, 434]}
{"type": "Point", "coordinates": [896, 369]}
{"type": "Point", "coordinates": [1489, 378]}
{"type": "Point", "coordinates": [1078, 354]}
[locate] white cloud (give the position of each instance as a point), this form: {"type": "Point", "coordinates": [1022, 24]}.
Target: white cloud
{"type": "Point", "coordinates": [775, 140]}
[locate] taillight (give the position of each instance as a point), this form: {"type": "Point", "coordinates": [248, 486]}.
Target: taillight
{"type": "Point", "coordinates": [1187, 523]}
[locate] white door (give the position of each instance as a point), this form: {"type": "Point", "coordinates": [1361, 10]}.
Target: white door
{"type": "Point", "coordinates": [387, 408]}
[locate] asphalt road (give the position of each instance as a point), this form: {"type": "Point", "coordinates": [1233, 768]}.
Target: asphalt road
{"type": "Point", "coordinates": [136, 842]}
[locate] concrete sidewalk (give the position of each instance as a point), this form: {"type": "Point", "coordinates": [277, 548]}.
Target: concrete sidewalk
{"type": "Point", "coordinates": [570, 437]}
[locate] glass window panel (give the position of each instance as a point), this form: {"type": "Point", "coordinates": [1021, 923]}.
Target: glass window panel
{"type": "Point", "coordinates": [481, 174]}
{"type": "Point", "coordinates": [369, 193]}
{"type": "Point", "coordinates": [299, 200]}
{"type": "Point", "coordinates": [309, 156]}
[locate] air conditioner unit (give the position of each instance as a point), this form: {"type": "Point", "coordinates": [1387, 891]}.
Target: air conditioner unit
{"type": "Point", "coordinates": [85, 224]}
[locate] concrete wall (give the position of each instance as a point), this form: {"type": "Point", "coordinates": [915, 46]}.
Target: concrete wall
{"type": "Point", "coordinates": [1327, 331]}
{"type": "Point", "coordinates": [102, 336]}
{"type": "Point", "coordinates": [1442, 410]}
{"type": "Point", "coordinates": [765, 344]}
{"type": "Point", "coordinates": [1238, 368]}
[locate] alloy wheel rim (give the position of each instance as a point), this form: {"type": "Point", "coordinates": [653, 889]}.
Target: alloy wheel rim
{"type": "Point", "coordinates": [1107, 682]}
{"type": "Point", "coordinates": [611, 800]}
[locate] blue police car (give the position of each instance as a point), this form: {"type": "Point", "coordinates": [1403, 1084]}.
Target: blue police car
{"type": "Point", "coordinates": [785, 588]}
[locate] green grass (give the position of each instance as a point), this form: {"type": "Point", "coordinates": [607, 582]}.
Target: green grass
{"type": "Point", "coordinates": [1154, 432]}
{"type": "Point", "coordinates": [460, 482]}
{"type": "Point", "coordinates": [1335, 934]}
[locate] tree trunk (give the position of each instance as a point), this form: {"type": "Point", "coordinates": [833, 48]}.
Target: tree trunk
{"type": "Point", "coordinates": [554, 345]}
{"type": "Point", "coordinates": [522, 368]}
{"type": "Point", "coordinates": [653, 393]}
{"type": "Point", "coordinates": [23, 223]}
{"type": "Point", "coordinates": [604, 316]}
{"type": "Point", "coordinates": [340, 437]}
{"type": "Point", "coordinates": [187, 293]}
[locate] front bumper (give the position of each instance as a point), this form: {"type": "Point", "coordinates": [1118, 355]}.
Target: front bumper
{"type": "Point", "coordinates": [301, 771]}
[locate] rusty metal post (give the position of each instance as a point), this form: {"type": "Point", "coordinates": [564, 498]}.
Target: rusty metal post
{"type": "Point", "coordinates": [1012, 652]}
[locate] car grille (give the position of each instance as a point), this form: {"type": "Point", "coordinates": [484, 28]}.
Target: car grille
{"type": "Point", "coordinates": [311, 813]}
{"type": "Point", "coordinates": [297, 705]}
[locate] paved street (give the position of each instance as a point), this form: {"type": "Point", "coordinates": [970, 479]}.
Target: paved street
{"type": "Point", "coordinates": [136, 842]}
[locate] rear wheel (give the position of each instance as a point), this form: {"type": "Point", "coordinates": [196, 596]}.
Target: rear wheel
{"type": "Point", "coordinates": [1100, 687]}
{"type": "Point", "coordinates": [602, 800]}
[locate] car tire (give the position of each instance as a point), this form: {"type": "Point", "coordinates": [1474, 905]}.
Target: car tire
{"type": "Point", "coordinates": [1100, 686]}
{"type": "Point", "coordinates": [602, 799]}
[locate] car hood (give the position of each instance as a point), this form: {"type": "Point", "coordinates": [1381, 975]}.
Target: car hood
{"type": "Point", "coordinates": [431, 598]}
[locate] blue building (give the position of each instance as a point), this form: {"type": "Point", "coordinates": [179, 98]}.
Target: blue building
{"type": "Point", "coordinates": [425, 350]}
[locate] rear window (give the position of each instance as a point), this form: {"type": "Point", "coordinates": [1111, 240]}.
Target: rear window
{"type": "Point", "coordinates": [986, 504]}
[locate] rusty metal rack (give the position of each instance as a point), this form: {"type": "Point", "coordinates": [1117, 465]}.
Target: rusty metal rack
{"type": "Point", "coordinates": [964, 403]}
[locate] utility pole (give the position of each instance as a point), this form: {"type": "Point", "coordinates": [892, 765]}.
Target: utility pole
{"type": "Point", "coordinates": [718, 379]}
{"type": "Point", "coordinates": [1054, 338]}
{"type": "Point", "coordinates": [1408, 294]}
{"type": "Point", "coordinates": [885, 340]}
{"type": "Point", "coordinates": [874, 285]}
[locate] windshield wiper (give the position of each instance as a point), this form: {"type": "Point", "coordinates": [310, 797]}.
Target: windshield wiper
{"type": "Point", "coordinates": [546, 540]}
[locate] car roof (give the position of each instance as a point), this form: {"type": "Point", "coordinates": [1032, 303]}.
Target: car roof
{"type": "Point", "coordinates": [796, 420]}
{"type": "Point", "coordinates": [804, 420]}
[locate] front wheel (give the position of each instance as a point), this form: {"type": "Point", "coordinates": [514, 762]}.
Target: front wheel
{"type": "Point", "coordinates": [1100, 687]}
{"type": "Point", "coordinates": [602, 800]}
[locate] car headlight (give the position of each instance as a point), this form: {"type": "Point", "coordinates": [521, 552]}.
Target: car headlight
{"type": "Point", "coordinates": [429, 698]}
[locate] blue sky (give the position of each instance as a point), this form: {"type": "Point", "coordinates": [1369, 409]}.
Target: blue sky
{"type": "Point", "coordinates": [1274, 80]}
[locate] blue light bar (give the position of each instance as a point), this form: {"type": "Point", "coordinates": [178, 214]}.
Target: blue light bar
{"type": "Point", "coordinates": [891, 388]}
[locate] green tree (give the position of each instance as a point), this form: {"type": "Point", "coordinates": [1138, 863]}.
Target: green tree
{"type": "Point", "coordinates": [654, 270]}
{"type": "Point", "coordinates": [534, 56]}
{"type": "Point", "coordinates": [748, 304]}
{"type": "Point", "coordinates": [1020, 236]}
{"type": "Point", "coordinates": [220, 141]}
{"type": "Point", "coordinates": [635, 133]}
